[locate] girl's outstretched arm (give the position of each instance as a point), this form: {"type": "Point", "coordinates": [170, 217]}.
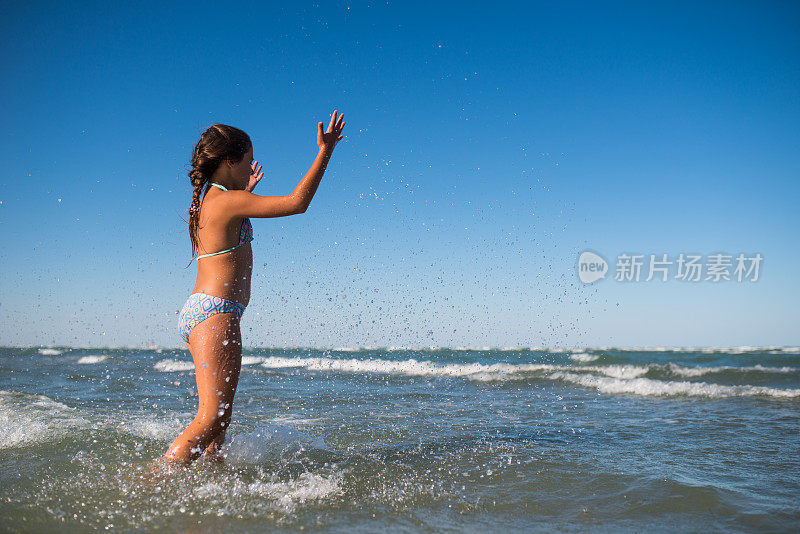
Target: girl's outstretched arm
{"type": "Point", "coordinates": [246, 204]}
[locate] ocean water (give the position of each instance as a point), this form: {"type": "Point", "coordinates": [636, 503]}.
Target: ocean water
{"type": "Point", "coordinates": [408, 440]}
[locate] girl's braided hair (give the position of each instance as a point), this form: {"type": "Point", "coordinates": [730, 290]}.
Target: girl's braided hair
{"type": "Point", "coordinates": [217, 144]}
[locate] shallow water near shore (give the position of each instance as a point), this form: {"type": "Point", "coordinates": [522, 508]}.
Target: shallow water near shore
{"type": "Point", "coordinates": [407, 440]}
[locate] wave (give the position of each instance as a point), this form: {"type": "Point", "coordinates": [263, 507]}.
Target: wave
{"type": "Point", "coordinates": [644, 379]}
{"type": "Point", "coordinates": [409, 367]}
{"type": "Point", "coordinates": [33, 419]}
{"type": "Point", "coordinates": [50, 352]}
{"type": "Point", "coordinates": [92, 359]}
{"type": "Point", "coordinates": [660, 388]}
{"type": "Point", "coordinates": [307, 487]}
{"type": "Point", "coordinates": [169, 365]}
{"type": "Point", "coordinates": [704, 350]}
{"type": "Point", "coordinates": [414, 367]}
{"type": "Point", "coordinates": [286, 496]}
{"type": "Point", "coordinates": [700, 371]}
{"type": "Point", "coordinates": [162, 426]}
{"type": "Point", "coordinates": [648, 379]}
{"type": "Point", "coordinates": [635, 371]}
{"type": "Point", "coordinates": [296, 421]}
{"type": "Point", "coordinates": [173, 365]}
{"type": "Point", "coordinates": [29, 419]}
{"type": "Point", "coordinates": [583, 357]}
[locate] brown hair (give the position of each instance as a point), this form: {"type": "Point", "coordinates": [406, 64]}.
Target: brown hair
{"type": "Point", "coordinates": [217, 144]}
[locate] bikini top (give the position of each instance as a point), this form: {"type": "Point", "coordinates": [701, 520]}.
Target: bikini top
{"type": "Point", "coordinates": [245, 234]}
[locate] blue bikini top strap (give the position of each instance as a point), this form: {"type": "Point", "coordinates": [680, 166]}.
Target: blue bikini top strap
{"type": "Point", "coordinates": [247, 238]}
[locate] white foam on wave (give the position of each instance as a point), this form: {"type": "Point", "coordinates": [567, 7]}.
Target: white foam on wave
{"type": "Point", "coordinates": [277, 442]}
{"type": "Point", "coordinates": [173, 365]}
{"type": "Point", "coordinates": [583, 357]}
{"type": "Point", "coordinates": [307, 487]}
{"type": "Point", "coordinates": [729, 350]}
{"type": "Point", "coordinates": [616, 371]}
{"type": "Point", "coordinates": [50, 352]}
{"type": "Point", "coordinates": [745, 349]}
{"type": "Point", "coordinates": [700, 371]}
{"type": "Point", "coordinates": [159, 426]}
{"type": "Point", "coordinates": [28, 418]}
{"type": "Point", "coordinates": [409, 367]}
{"type": "Point", "coordinates": [289, 420]}
{"type": "Point", "coordinates": [497, 371]}
{"type": "Point", "coordinates": [521, 372]}
{"type": "Point", "coordinates": [605, 378]}
{"type": "Point", "coordinates": [660, 388]}
{"type": "Point", "coordinates": [95, 358]}
{"type": "Point", "coordinates": [169, 365]}
{"type": "Point", "coordinates": [562, 350]}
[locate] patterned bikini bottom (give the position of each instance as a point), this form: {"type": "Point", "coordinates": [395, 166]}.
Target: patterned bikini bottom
{"type": "Point", "coordinates": [200, 307]}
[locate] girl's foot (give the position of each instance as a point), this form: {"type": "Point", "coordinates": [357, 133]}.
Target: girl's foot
{"type": "Point", "coordinates": [161, 465]}
{"type": "Point", "coordinates": [214, 458]}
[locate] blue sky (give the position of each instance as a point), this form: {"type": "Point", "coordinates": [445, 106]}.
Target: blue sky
{"type": "Point", "coordinates": [486, 146]}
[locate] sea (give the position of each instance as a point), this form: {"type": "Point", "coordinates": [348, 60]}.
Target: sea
{"type": "Point", "coordinates": [467, 439]}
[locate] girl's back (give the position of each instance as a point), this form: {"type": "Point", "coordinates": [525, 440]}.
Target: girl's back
{"type": "Point", "coordinates": [225, 256]}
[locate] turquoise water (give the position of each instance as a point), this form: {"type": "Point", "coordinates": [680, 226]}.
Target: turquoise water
{"type": "Point", "coordinates": [401, 440]}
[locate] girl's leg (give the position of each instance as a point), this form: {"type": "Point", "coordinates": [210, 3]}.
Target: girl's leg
{"type": "Point", "coordinates": [216, 347]}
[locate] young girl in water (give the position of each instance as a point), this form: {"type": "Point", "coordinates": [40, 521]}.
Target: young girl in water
{"type": "Point", "coordinates": [224, 175]}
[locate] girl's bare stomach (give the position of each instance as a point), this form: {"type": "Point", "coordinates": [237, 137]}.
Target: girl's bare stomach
{"type": "Point", "coordinates": [227, 275]}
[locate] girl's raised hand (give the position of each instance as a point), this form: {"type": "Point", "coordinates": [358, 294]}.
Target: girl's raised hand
{"type": "Point", "coordinates": [327, 140]}
{"type": "Point", "coordinates": [255, 177]}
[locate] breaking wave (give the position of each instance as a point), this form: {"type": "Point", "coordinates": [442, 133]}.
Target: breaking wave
{"type": "Point", "coordinates": [649, 379]}
{"type": "Point", "coordinates": [660, 388]}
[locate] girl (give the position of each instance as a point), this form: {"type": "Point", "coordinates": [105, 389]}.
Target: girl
{"type": "Point", "coordinates": [223, 176]}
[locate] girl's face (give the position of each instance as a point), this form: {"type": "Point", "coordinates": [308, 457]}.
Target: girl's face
{"type": "Point", "coordinates": [241, 171]}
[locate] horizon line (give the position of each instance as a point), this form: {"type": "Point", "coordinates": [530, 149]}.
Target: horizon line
{"type": "Point", "coordinates": [359, 348]}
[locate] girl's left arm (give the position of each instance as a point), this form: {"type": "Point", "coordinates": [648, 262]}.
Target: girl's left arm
{"type": "Point", "coordinates": [255, 177]}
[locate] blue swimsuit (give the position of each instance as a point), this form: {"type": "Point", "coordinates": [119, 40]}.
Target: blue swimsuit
{"type": "Point", "coordinates": [201, 306]}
